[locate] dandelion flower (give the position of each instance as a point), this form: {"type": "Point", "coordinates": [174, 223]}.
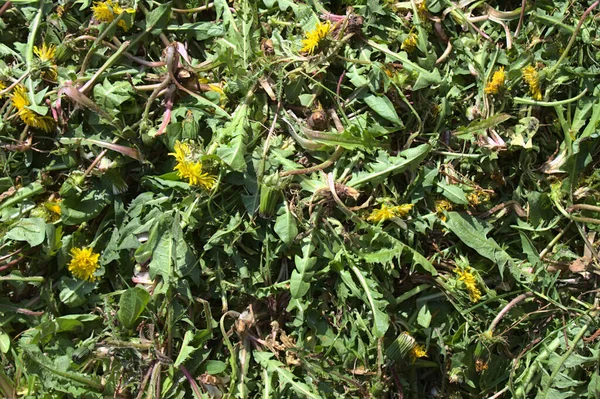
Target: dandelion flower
{"type": "Point", "coordinates": [84, 263]}
{"type": "Point", "coordinates": [54, 206]}
{"type": "Point", "coordinates": [387, 212]}
{"type": "Point", "coordinates": [107, 11]}
{"type": "Point", "coordinates": [191, 170]}
{"type": "Point", "coordinates": [315, 37]}
{"type": "Point", "coordinates": [530, 76]}
{"type": "Point", "coordinates": [470, 283]}
{"type": "Point", "coordinates": [418, 352]}
{"type": "Point", "coordinates": [31, 118]}
{"type": "Point", "coordinates": [45, 53]}
{"type": "Point", "coordinates": [441, 207]}
{"type": "Point", "coordinates": [410, 43]}
{"type": "Point", "coordinates": [497, 82]}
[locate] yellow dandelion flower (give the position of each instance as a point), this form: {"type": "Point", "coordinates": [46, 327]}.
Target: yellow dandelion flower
{"type": "Point", "coordinates": [19, 98]}
{"type": "Point", "coordinates": [182, 151]}
{"type": "Point", "coordinates": [477, 197]}
{"type": "Point", "coordinates": [2, 86]}
{"type": "Point", "coordinates": [441, 207]}
{"type": "Point", "coordinates": [470, 283]}
{"type": "Point", "coordinates": [103, 11]}
{"type": "Point", "coordinates": [473, 199]}
{"type": "Point", "coordinates": [530, 76]}
{"type": "Point", "coordinates": [45, 53]}
{"type": "Point", "coordinates": [31, 118]}
{"type": "Point", "coordinates": [107, 11]}
{"type": "Point", "coordinates": [410, 43]}
{"type": "Point", "coordinates": [84, 263]}
{"type": "Point", "coordinates": [497, 82]}
{"type": "Point", "coordinates": [54, 206]}
{"type": "Point", "coordinates": [417, 352]}
{"type": "Point", "coordinates": [315, 37]}
{"type": "Point", "coordinates": [191, 170]}
{"type": "Point", "coordinates": [36, 120]}
{"type": "Point", "coordinates": [387, 212]}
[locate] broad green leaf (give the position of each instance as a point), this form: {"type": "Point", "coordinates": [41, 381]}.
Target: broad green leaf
{"type": "Point", "coordinates": [74, 292]}
{"type": "Point", "coordinates": [159, 17]}
{"type": "Point", "coordinates": [471, 233]}
{"type": "Point", "coordinates": [302, 276]}
{"type": "Point", "coordinates": [76, 210]}
{"type": "Point", "coordinates": [454, 193]}
{"type": "Point", "coordinates": [131, 305]}
{"type": "Point", "coordinates": [214, 367]}
{"type": "Point", "coordinates": [31, 230]}
{"type": "Point", "coordinates": [285, 225]}
{"type": "Point", "coordinates": [384, 108]}
{"type": "Point", "coordinates": [424, 317]}
{"type": "Point", "coordinates": [233, 153]}
{"type": "Point", "coordinates": [4, 342]}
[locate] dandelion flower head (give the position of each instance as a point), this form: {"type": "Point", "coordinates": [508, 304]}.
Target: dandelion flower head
{"type": "Point", "coordinates": [20, 101]}
{"type": "Point", "coordinates": [470, 283]}
{"type": "Point", "coordinates": [315, 37]}
{"type": "Point", "coordinates": [418, 351]}
{"type": "Point", "coordinates": [84, 263]}
{"type": "Point", "coordinates": [107, 11]}
{"type": "Point", "coordinates": [387, 212]}
{"type": "Point", "coordinates": [442, 206]}
{"type": "Point", "coordinates": [45, 53]}
{"type": "Point", "coordinates": [54, 206]}
{"type": "Point", "coordinates": [497, 82]}
{"type": "Point", "coordinates": [189, 169]}
{"type": "Point", "coordinates": [530, 76]}
{"type": "Point", "coordinates": [410, 43]}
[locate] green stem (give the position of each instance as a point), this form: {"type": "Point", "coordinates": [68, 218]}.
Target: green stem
{"type": "Point", "coordinates": [527, 101]}
{"type": "Point", "coordinates": [36, 279]}
{"type": "Point", "coordinates": [98, 40]}
{"type": "Point", "coordinates": [232, 362]}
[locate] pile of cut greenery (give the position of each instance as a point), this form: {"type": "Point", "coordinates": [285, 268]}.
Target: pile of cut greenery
{"type": "Point", "coordinates": [299, 199]}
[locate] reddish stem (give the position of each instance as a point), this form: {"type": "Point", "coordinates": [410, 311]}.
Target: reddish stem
{"type": "Point", "coordinates": [191, 381]}
{"type": "Point", "coordinates": [5, 7]}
